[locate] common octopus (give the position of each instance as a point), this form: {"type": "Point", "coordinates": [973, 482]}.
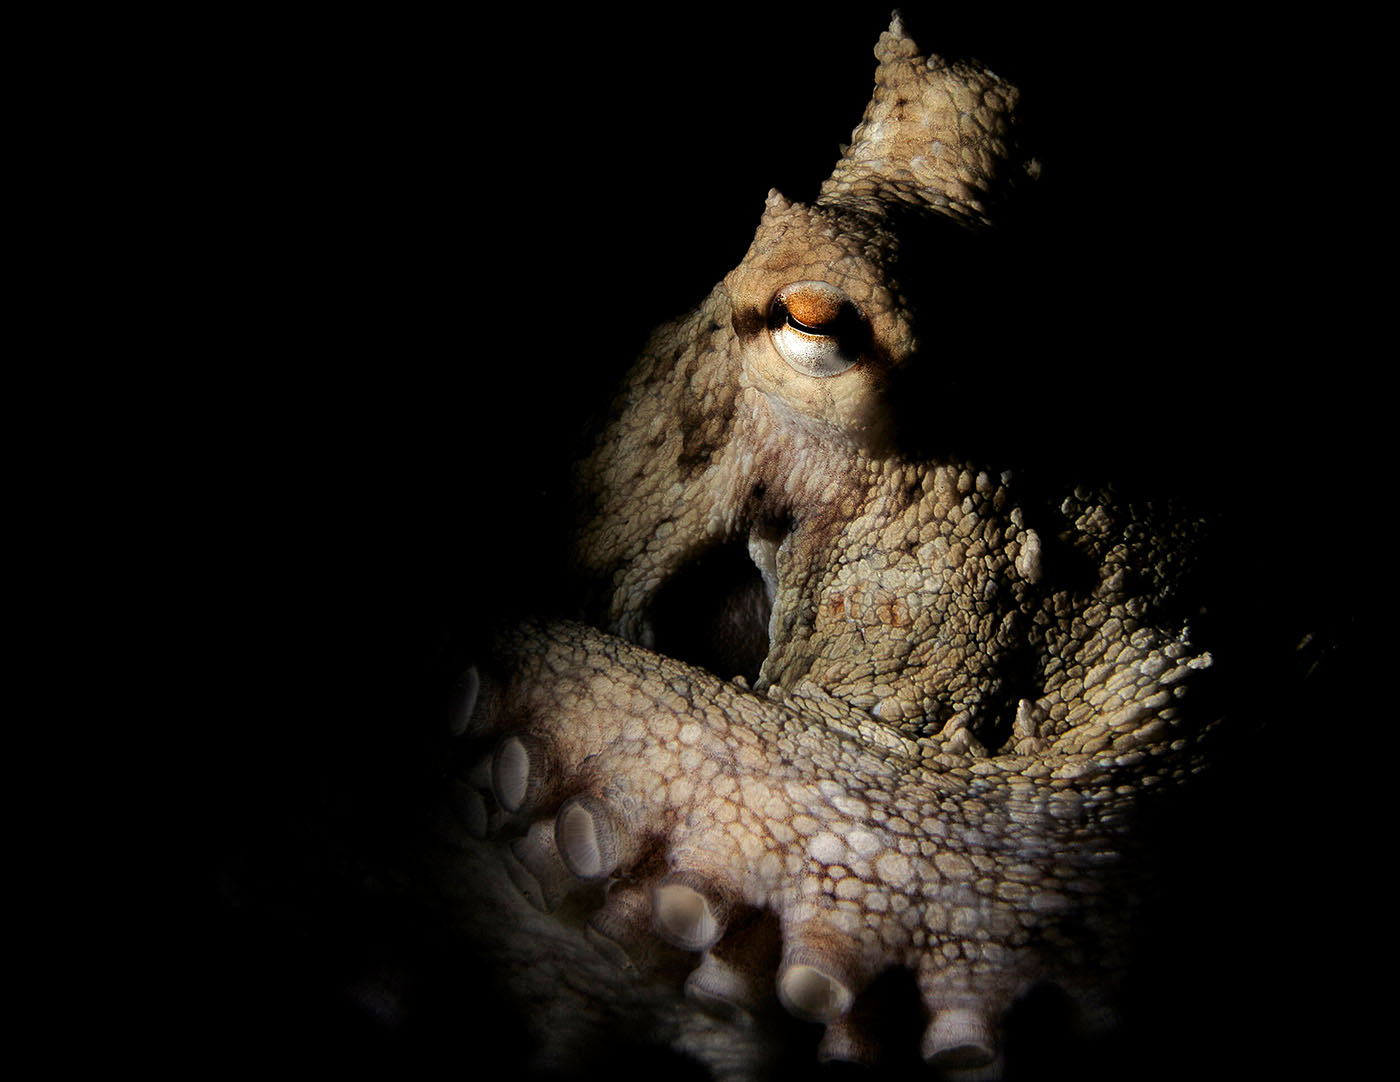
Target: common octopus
{"type": "Point", "coordinates": [859, 730]}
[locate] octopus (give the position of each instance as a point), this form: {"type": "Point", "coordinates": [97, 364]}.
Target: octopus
{"type": "Point", "coordinates": [922, 681]}
{"type": "Point", "coordinates": [861, 719]}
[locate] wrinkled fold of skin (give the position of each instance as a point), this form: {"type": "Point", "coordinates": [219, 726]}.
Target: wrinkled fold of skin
{"type": "Point", "coordinates": [911, 743]}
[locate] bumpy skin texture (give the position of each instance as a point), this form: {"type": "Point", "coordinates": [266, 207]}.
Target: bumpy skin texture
{"type": "Point", "coordinates": [969, 683]}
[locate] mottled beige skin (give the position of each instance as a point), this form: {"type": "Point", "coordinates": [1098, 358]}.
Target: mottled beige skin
{"type": "Point", "coordinates": [968, 684]}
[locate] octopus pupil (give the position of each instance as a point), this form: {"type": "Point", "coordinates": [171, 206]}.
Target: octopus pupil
{"type": "Point", "coordinates": [798, 325]}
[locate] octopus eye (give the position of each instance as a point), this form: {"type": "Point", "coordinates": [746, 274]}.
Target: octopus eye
{"type": "Point", "coordinates": [816, 328]}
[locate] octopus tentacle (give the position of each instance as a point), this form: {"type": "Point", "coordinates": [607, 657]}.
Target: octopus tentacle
{"type": "Point", "coordinates": [621, 930]}
{"type": "Point", "coordinates": [981, 879]}
{"type": "Point", "coordinates": [534, 865]}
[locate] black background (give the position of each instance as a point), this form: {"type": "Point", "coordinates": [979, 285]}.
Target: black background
{"type": "Point", "coordinates": [424, 250]}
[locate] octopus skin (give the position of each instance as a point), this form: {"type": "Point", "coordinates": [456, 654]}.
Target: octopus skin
{"type": "Point", "coordinates": [969, 681]}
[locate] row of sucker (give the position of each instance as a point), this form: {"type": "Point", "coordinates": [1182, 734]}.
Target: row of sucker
{"type": "Point", "coordinates": [695, 804]}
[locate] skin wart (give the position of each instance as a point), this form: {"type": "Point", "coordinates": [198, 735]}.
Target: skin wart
{"type": "Point", "coordinates": [912, 738]}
